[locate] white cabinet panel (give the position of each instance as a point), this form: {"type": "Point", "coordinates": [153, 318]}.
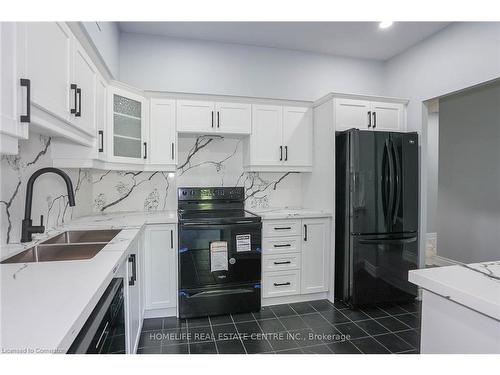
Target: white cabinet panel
{"type": "Point", "coordinates": [277, 228]}
{"type": "Point", "coordinates": [45, 50]}
{"type": "Point", "coordinates": [84, 76]}
{"type": "Point", "coordinates": [351, 113]}
{"type": "Point", "coordinates": [315, 255]}
{"type": "Point", "coordinates": [132, 288]}
{"type": "Point", "coordinates": [101, 119]}
{"type": "Point", "coordinates": [162, 132]}
{"type": "Point", "coordinates": [280, 245]}
{"type": "Point", "coordinates": [281, 283]}
{"type": "Point", "coordinates": [161, 266]}
{"type": "Point", "coordinates": [297, 136]}
{"type": "Point", "coordinates": [280, 262]}
{"type": "Point", "coordinates": [387, 116]}
{"type": "Point", "coordinates": [195, 116]}
{"type": "Point", "coordinates": [233, 118]}
{"type": "Point", "coordinates": [266, 146]}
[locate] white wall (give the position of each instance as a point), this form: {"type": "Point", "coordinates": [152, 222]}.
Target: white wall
{"type": "Point", "coordinates": [181, 65]}
{"type": "Point", "coordinates": [469, 175]}
{"type": "Point", "coordinates": [432, 170]}
{"type": "Point", "coordinates": [459, 56]}
{"type": "Point", "coordinates": [106, 38]}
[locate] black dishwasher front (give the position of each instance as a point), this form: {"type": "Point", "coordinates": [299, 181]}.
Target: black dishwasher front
{"type": "Point", "coordinates": [104, 330]}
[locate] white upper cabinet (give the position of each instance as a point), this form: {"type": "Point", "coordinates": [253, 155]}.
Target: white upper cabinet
{"type": "Point", "coordinates": [281, 139]}
{"type": "Point", "coordinates": [127, 119]}
{"type": "Point", "coordinates": [233, 118]}
{"type": "Point", "coordinates": [266, 146]}
{"type": "Point", "coordinates": [13, 92]}
{"type": "Point", "coordinates": [206, 117]}
{"type": "Point", "coordinates": [45, 50]}
{"type": "Point", "coordinates": [195, 116]}
{"type": "Point", "coordinates": [351, 113]}
{"type": "Point", "coordinates": [387, 116]}
{"type": "Point", "coordinates": [315, 255]}
{"type": "Point", "coordinates": [101, 118]}
{"type": "Point", "coordinates": [369, 115]}
{"type": "Point", "coordinates": [162, 132]}
{"type": "Point", "coordinates": [84, 94]}
{"type": "Point", "coordinates": [297, 136]}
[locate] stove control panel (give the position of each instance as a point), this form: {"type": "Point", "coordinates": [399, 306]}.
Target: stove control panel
{"type": "Point", "coordinates": [210, 193]}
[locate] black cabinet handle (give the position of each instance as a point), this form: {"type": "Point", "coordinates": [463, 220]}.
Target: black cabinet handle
{"type": "Point", "coordinates": [281, 153]}
{"type": "Point", "coordinates": [79, 94]}
{"type": "Point", "coordinates": [282, 228]}
{"type": "Point", "coordinates": [287, 262]}
{"type": "Point", "coordinates": [282, 284]}
{"type": "Point", "coordinates": [286, 153]}
{"type": "Point", "coordinates": [133, 278]}
{"type": "Point", "coordinates": [369, 119]}
{"type": "Point", "coordinates": [218, 119]}
{"type": "Point", "coordinates": [145, 150]}
{"type": "Point", "coordinates": [26, 83]}
{"type": "Point", "coordinates": [212, 119]}
{"type": "Point", "coordinates": [305, 232]}
{"type": "Point", "coordinates": [173, 151]}
{"type": "Point", "coordinates": [74, 87]}
{"type": "Point", "coordinates": [101, 140]}
{"type": "Point", "coordinates": [171, 239]}
{"type": "Point", "coordinates": [374, 119]}
{"type": "Point", "coordinates": [287, 245]}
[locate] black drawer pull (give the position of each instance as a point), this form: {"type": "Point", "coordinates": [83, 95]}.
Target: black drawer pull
{"type": "Point", "coordinates": [79, 93]}
{"type": "Point", "coordinates": [287, 262]}
{"type": "Point", "coordinates": [285, 245]}
{"type": "Point", "coordinates": [282, 284]}
{"type": "Point", "coordinates": [133, 278]}
{"type": "Point", "coordinates": [282, 228]}
{"type": "Point", "coordinates": [26, 83]}
{"type": "Point", "coordinates": [173, 157]}
{"type": "Point", "coordinates": [145, 150]}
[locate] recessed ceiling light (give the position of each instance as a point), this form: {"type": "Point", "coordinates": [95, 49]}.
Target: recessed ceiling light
{"type": "Point", "coordinates": [385, 24]}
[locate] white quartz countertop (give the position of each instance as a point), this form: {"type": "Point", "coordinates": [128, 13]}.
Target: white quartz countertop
{"type": "Point", "coordinates": [476, 286]}
{"type": "Point", "coordinates": [290, 213]}
{"type": "Point", "coordinates": [44, 305]}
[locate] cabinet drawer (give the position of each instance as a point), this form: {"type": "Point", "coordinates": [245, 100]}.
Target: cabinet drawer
{"type": "Point", "coordinates": [279, 262]}
{"type": "Point", "coordinates": [281, 245]}
{"type": "Point", "coordinates": [281, 283]}
{"type": "Point", "coordinates": [278, 228]}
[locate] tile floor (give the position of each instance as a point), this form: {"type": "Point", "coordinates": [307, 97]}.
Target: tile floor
{"type": "Point", "coordinates": [316, 327]}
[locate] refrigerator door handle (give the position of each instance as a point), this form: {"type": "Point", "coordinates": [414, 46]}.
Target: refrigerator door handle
{"type": "Point", "coordinates": [397, 183]}
{"type": "Point", "coordinates": [391, 241]}
{"type": "Point", "coordinates": [391, 184]}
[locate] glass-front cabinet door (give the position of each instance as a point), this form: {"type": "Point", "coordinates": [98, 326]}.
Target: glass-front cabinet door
{"type": "Point", "coordinates": [128, 141]}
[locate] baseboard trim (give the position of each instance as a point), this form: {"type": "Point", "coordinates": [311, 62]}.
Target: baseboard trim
{"type": "Point", "coordinates": [293, 299]}
{"type": "Point", "coordinates": [160, 313]}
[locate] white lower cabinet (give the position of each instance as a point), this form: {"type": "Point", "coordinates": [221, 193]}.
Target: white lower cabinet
{"type": "Point", "coordinates": [315, 256]}
{"type": "Point", "coordinates": [296, 257]}
{"type": "Point", "coordinates": [133, 289]}
{"type": "Point", "coordinates": [160, 255]}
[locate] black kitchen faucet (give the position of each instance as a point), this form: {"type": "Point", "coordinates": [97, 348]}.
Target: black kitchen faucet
{"type": "Point", "coordinates": [27, 228]}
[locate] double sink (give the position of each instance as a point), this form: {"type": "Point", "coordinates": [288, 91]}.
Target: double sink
{"type": "Point", "coordinates": [70, 245]}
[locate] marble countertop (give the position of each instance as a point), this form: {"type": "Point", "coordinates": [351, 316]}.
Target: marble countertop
{"type": "Point", "coordinates": [290, 213]}
{"type": "Point", "coordinates": [44, 305]}
{"type": "Point", "coordinates": [476, 285]}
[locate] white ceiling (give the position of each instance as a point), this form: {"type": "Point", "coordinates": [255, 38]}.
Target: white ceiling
{"type": "Point", "coordinates": [354, 39]}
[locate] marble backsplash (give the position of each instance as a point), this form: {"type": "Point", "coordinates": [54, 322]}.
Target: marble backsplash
{"type": "Point", "coordinates": [49, 193]}
{"type": "Point", "coordinates": [202, 161]}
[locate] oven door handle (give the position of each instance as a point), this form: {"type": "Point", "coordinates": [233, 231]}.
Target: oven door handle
{"type": "Point", "coordinates": [220, 292]}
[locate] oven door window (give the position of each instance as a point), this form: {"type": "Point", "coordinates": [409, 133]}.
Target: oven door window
{"type": "Point", "coordinates": [195, 261]}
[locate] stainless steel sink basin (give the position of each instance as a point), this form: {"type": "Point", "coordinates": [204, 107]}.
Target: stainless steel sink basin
{"type": "Point", "coordinates": [83, 236]}
{"type": "Point", "coordinates": [58, 252]}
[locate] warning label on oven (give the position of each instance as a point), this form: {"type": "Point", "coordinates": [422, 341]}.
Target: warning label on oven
{"type": "Point", "coordinates": [218, 256]}
{"type": "Point", "coordinates": [243, 243]}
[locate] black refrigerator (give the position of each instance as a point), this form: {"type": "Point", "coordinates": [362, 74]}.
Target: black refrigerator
{"type": "Point", "coordinates": [376, 229]}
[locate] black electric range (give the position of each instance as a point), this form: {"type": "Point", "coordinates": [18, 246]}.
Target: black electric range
{"type": "Point", "coordinates": [219, 252]}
